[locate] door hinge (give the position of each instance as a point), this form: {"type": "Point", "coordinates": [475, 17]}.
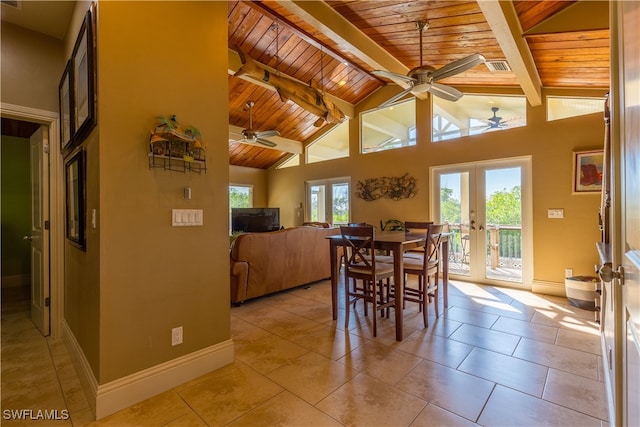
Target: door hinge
{"type": "Point", "coordinates": [46, 225]}
{"type": "Point", "coordinates": [47, 302]}
{"type": "Point", "coordinates": [46, 148]}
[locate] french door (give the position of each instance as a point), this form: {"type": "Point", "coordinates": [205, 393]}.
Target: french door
{"type": "Point", "coordinates": [328, 201]}
{"type": "Point", "coordinates": [486, 207]}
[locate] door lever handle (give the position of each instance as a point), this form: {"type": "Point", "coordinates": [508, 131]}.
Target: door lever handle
{"type": "Point", "coordinates": [27, 238]}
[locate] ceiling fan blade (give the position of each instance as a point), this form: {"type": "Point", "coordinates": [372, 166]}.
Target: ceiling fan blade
{"type": "Point", "coordinates": [424, 87]}
{"type": "Point", "coordinates": [392, 76]}
{"type": "Point", "coordinates": [395, 98]}
{"type": "Point", "coordinates": [445, 92]}
{"type": "Point", "coordinates": [267, 133]}
{"type": "Point", "coordinates": [458, 66]}
{"type": "Point", "coordinates": [266, 142]}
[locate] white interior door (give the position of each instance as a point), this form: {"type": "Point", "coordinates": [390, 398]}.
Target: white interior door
{"type": "Point", "coordinates": [629, 244]}
{"type": "Point", "coordinates": [39, 236]}
{"type": "Point", "coordinates": [487, 207]}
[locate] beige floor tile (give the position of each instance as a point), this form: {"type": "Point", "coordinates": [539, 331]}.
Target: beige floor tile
{"type": "Point", "coordinates": [155, 411]}
{"type": "Point", "coordinates": [526, 329]}
{"type": "Point", "coordinates": [589, 342]}
{"type": "Point", "coordinates": [471, 317]}
{"type": "Point", "coordinates": [455, 391]}
{"type": "Point", "coordinates": [507, 407]}
{"type": "Point", "coordinates": [312, 377]}
{"type": "Point", "coordinates": [563, 318]}
{"type": "Point", "coordinates": [243, 332]}
{"type": "Point", "coordinates": [435, 348]}
{"type": "Point", "coordinates": [434, 416]}
{"type": "Point", "coordinates": [581, 394]}
{"type": "Point", "coordinates": [285, 409]}
{"type": "Point", "coordinates": [381, 362]}
{"type": "Point", "coordinates": [365, 401]}
{"type": "Point", "coordinates": [267, 354]}
{"type": "Point", "coordinates": [509, 371]}
{"type": "Point", "coordinates": [562, 358]}
{"type": "Point", "coordinates": [189, 420]}
{"type": "Point", "coordinates": [489, 339]}
{"type": "Point", "coordinates": [330, 342]}
{"type": "Point", "coordinates": [228, 393]}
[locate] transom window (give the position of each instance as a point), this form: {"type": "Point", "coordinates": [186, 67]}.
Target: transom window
{"type": "Point", "coordinates": [476, 114]}
{"type": "Point", "coordinates": [559, 107]}
{"type": "Point", "coordinates": [389, 127]}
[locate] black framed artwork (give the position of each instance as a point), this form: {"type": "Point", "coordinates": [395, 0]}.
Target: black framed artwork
{"type": "Point", "coordinates": [65, 96]}
{"type": "Point", "coordinates": [84, 80]}
{"type": "Point", "coordinates": [74, 177]}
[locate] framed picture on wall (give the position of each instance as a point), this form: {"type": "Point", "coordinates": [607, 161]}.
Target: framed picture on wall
{"type": "Point", "coordinates": [74, 178]}
{"type": "Point", "coordinates": [65, 96]}
{"type": "Point", "coordinates": [84, 80]}
{"type": "Point", "coordinates": [587, 171]}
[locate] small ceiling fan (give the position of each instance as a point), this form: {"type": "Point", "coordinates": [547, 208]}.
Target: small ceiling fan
{"type": "Point", "coordinates": [495, 122]}
{"type": "Point", "coordinates": [423, 78]}
{"type": "Point", "coordinates": [252, 135]}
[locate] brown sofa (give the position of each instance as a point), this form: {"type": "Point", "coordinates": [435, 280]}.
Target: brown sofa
{"type": "Point", "coordinates": [264, 263]}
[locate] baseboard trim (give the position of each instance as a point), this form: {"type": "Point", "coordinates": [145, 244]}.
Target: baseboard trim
{"type": "Point", "coordinates": [83, 368]}
{"type": "Point", "coordinates": [548, 288]}
{"type": "Point", "coordinates": [121, 393]}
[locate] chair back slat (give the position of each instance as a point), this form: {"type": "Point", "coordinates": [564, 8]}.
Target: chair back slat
{"type": "Point", "coordinates": [358, 242]}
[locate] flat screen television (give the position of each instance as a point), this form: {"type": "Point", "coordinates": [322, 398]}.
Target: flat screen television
{"type": "Point", "coordinates": [255, 220]}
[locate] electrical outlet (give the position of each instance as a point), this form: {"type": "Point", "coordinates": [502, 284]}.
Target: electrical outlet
{"type": "Point", "coordinates": [568, 272]}
{"type": "Point", "coordinates": [176, 335]}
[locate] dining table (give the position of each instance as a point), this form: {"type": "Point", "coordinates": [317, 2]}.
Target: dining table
{"type": "Point", "coordinates": [397, 242]}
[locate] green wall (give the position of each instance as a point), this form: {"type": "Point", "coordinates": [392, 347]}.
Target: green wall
{"type": "Point", "coordinates": [15, 206]}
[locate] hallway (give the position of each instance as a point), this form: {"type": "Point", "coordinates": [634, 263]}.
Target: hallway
{"type": "Point", "coordinates": [497, 357]}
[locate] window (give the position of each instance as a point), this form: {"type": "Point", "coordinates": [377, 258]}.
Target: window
{"type": "Point", "coordinates": [290, 162]}
{"type": "Point", "coordinates": [564, 107]}
{"type": "Point", "coordinates": [334, 144]}
{"type": "Point", "coordinates": [476, 114]}
{"type": "Point", "coordinates": [328, 201]}
{"type": "Point", "coordinates": [388, 128]}
{"type": "Point", "coordinates": [240, 196]}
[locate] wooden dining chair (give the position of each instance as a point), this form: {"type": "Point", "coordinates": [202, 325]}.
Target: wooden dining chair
{"type": "Point", "coordinates": [427, 268]}
{"type": "Point", "coordinates": [358, 242]}
{"type": "Point", "coordinates": [416, 227]}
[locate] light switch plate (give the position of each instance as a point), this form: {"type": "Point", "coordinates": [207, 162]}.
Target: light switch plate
{"type": "Point", "coordinates": [555, 213]}
{"type": "Point", "coordinates": [186, 217]}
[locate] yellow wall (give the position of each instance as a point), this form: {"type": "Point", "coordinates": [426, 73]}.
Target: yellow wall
{"type": "Point", "coordinates": [140, 277]}
{"type": "Point", "coordinates": [32, 65]}
{"type": "Point", "coordinates": [251, 176]}
{"type": "Point", "coordinates": [558, 244]}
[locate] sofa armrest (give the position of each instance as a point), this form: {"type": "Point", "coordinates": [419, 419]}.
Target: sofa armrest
{"type": "Point", "coordinates": [239, 280]}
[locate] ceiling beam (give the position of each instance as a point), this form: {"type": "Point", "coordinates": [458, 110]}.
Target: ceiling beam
{"type": "Point", "coordinates": [324, 19]}
{"type": "Point", "coordinates": [235, 63]}
{"type": "Point", "coordinates": [503, 21]}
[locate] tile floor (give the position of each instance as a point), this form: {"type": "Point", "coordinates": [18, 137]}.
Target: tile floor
{"type": "Point", "coordinates": [498, 356]}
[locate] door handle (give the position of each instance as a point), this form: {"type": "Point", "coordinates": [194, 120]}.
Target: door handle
{"type": "Point", "coordinates": [27, 238]}
{"type": "Point", "coordinates": [607, 274]}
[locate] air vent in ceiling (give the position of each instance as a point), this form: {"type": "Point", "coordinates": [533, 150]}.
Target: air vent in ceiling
{"type": "Point", "coordinates": [494, 66]}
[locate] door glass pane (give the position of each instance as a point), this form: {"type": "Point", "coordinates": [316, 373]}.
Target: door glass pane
{"type": "Point", "coordinates": [504, 224]}
{"type": "Point", "coordinates": [340, 203]}
{"type": "Point", "coordinates": [454, 213]}
{"type": "Point", "coordinates": [316, 203]}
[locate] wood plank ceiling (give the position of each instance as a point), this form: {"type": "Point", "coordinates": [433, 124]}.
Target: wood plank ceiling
{"type": "Point", "coordinates": [303, 41]}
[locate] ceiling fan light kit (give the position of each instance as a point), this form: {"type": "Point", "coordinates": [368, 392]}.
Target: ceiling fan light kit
{"type": "Point", "coordinates": [423, 78]}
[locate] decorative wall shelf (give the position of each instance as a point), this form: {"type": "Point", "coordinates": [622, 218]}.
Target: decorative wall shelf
{"type": "Point", "coordinates": [175, 150]}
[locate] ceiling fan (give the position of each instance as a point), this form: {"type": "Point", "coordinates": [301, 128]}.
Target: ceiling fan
{"type": "Point", "coordinates": [423, 78]}
{"type": "Point", "coordinates": [252, 135]}
{"type": "Point", "coordinates": [495, 122]}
